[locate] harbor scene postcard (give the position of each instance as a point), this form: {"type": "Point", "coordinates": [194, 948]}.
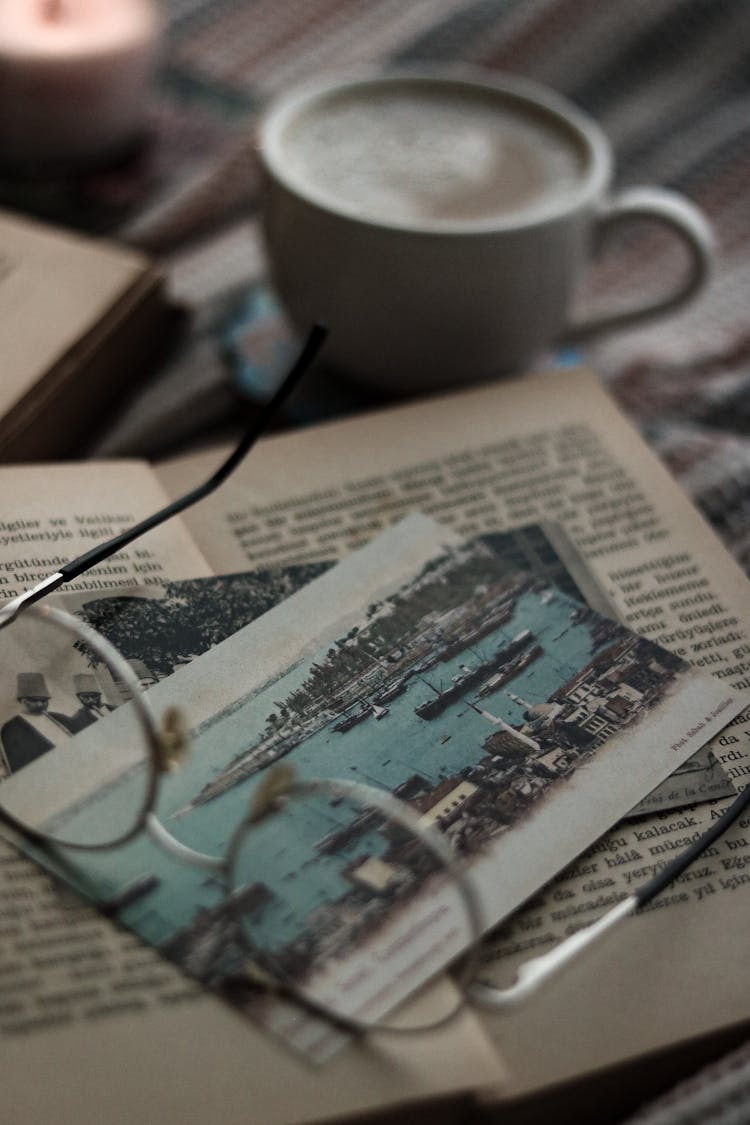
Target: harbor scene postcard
{"type": "Point", "coordinates": [506, 714]}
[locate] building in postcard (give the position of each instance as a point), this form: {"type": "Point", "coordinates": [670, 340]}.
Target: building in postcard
{"type": "Point", "coordinates": [376, 874]}
{"type": "Point", "coordinates": [509, 745]}
{"type": "Point", "coordinates": [453, 799]}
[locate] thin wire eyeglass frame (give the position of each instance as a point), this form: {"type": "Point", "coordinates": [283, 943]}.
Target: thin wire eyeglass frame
{"type": "Point", "coordinates": [162, 741]}
{"type": "Point", "coordinates": [532, 973]}
{"type": "Point", "coordinates": [166, 743]}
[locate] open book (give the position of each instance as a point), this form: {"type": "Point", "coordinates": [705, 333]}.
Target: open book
{"type": "Point", "coordinates": [70, 351]}
{"type": "Point", "coordinates": [96, 1010]}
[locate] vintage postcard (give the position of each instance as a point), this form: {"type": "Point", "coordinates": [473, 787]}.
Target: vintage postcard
{"type": "Point", "coordinates": [162, 627]}
{"type": "Point", "coordinates": [506, 714]}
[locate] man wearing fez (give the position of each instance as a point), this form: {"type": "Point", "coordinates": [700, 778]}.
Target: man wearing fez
{"type": "Point", "coordinates": [146, 677]}
{"type": "Point", "coordinates": [142, 673]}
{"type": "Point", "coordinates": [90, 697]}
{"type": "Point", "coordinates": [37, 729]}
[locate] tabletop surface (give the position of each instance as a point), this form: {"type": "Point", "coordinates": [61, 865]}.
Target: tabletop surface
{"type": "Point", "coordinates": [669, 82]}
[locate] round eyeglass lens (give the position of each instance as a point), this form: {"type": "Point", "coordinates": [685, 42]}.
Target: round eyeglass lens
{"type": "Point", "coordinates": [76, 732]}
{"type": "Point", "coordinates": [351, 903]}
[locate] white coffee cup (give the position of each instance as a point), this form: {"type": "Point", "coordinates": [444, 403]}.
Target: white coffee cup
{"type": "Point", "coordinates": [439, 223]}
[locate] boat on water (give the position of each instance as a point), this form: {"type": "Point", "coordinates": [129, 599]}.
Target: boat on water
{"type": "Point", "coordinates": [442, 699]}
{"type": "Point", "coordinates": [348, 719]}
{"type": "Point", "coordinates": [502, 663]}
{"type": "Point", "coordinates": [515, 645]}
{"type": "Point", "coordinates": [508, 671]}
{"type": "Point", "coordinates": [423, 666]}
{"type": "Point", "coordinates": [493, 621]}
{"type": "Point", "coordinates": [390, 692]}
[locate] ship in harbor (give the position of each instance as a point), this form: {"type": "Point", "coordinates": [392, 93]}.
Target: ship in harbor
{"type": "Point", "coordinates": [352, 717]}
{"type": "Point", "coordinates": [478, 632]}
{"type": "Point", "coordinates": [349, 719]}
{"type": "Point", "coordinates": [390, 692]}
{"type": "Point", "coordinates": [507, 662]}
{"type": "Point", "coordinates": [508, 671]}
{"type": "Point", "coordinates": [466, 679]}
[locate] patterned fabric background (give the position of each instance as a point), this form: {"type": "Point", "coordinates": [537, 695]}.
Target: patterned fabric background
{"type": "Point", "coordinates": [668, 80]}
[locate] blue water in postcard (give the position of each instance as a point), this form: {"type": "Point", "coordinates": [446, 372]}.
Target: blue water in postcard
{"type": "Point", "coordinates": [384, 752]}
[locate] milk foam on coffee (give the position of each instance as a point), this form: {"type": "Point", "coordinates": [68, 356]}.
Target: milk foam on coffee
{"type": "Point", "coordinates": [430, 155]}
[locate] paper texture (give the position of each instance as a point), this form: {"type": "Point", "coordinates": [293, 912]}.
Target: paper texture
{"type": "Point", "coordinates": [549, 448]}
{"type": "Point", "coordinates": [546, 450]}
{"type": "Point", "coordinates": [497, 462]}
{"type": "Point", "coordinates": [51, 513]}
{"type": "Point", "coordinates": [71, 350]}
{"type": "Point", "coordinates": [518, 784]}
{"type": "Point", "coordinates": [110, 1030]}
{"type": "Point", "coordinates": [32, 258]}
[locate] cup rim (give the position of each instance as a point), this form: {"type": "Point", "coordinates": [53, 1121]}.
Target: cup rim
{"type": "Point", "coordinates": [594, 182]}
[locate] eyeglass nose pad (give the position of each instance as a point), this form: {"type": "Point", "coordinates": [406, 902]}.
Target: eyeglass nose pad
{"type": "Point", "coordinates": [173, 744]}
{"type": "Point", "coordinates": [278, 782]}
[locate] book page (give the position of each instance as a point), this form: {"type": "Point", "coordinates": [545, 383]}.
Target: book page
{"type": "Point", "coordinates": [60, 962]}
{"type": "Point", "coordinates": [53, 512]}
{"type": "Point", "coordinates": [95, 1026]}
{"type": "Point", "coordinates": [549, 448]}
{"type": "Point", "coordinates": [40, 319]}
{"type": "Point", "coordinates": [357, 913]}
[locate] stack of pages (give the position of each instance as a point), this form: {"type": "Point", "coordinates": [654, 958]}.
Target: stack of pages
{"type": "Point", "coordinates": [81, 319]}
{"type": "Point", "coordinates": [531, 637]}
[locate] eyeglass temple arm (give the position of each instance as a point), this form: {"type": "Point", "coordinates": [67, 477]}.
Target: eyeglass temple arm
{"type": "Point", "coordinates": [80, 565]}
{"type": "Point", "coordinates": [535, 972]}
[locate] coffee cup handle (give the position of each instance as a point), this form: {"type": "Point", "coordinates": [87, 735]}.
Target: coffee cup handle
{"type": "Point", "coordinates": [683, 219]}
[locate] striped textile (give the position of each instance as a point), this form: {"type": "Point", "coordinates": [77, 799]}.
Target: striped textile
{"type": "Point", "coordinates": [717, 1095]}
{"type": "Point", "coordinates": [668, 80]}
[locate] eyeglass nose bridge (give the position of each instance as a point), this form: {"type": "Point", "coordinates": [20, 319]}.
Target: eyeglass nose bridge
{"type": "Point", "coordinates": [278, 783]}
{"type": "Point", "coordinates": [170, 844]}
{"type": "Point", "coordinates": [172, 743]}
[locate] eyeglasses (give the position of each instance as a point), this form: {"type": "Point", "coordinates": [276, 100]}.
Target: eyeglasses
{"type": "Point", "coordinates": [353, 811]}
{"type": "Point", "coordinates": [131, 761]}
{"type": "Point", "coordinates": [45, 638]}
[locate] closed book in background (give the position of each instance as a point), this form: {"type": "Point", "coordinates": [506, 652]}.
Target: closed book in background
{"type": "Point", "coordinates": [82, 321]}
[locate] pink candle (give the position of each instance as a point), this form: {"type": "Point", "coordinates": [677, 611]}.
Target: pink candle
{"type": "Point", "coordinates": [75, 76]}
